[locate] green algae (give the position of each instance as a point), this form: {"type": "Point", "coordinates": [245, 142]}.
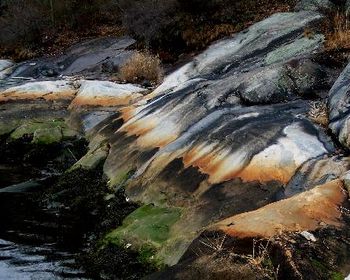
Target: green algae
{"type": "Point", "coordinates": [322, 268]}
{"type": "Point", "coordinates": [119, 180]}
{"type": "Point", "coordinates": [43, 132]}
{"type": "Point", "coordinates": [146, 230]}
{"type": "Point", "coordinates": [8, 126]}
{"type": "Point", "coordinates": [47, 136]}
{"type": "Point", "coordinates": [92, 159]}
{"type": "Point", "coordinates": [337, 276]}
{"type": "Point", "coordinates": [146, 225]}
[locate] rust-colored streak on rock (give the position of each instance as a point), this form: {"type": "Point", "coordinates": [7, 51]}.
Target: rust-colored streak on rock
{"type": "Point", "coordinates": [150, 132]}
{"type": "Point", "coordinates": [127, 113]}
{"type": "Point", "coordinates": [101, 101]}
{"type": "Point", "coordinates": [224, 166]}
{"type": "Point", "coordinates": [205, 160]}
{"type": "Point", "coordinates": [138, 128]}
{"type": "Point", "coordinates": [266, 173]}
{"type": "Point", "coordinates": [302, 212]}
{"type": "Point", "coordinates": [48, 96]}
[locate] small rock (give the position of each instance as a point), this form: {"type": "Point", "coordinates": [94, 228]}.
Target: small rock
{"type": "Point", "coordinates": [308, 236]}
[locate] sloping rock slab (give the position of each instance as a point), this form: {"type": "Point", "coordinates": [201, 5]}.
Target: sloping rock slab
{"type": "Point", "coordinates": [225, 133]}
{"type": "Point", "coordinates": [92, 58]}
{"type": "Point", "coordinates": [339, 108]}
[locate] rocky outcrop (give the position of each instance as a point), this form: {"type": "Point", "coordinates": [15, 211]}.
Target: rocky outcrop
{"type": "Point", "coordinates": [218, 145]}
{"type": "Point", "coordinates": [93, 58]}
{"type": "Point", "coordinates": [339, 107]}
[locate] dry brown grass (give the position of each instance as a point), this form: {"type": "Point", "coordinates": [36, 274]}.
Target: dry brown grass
{"type": "Point", "coordinates": [318, 113]}
{"type": "Point", "coordinates": [198, 39]}
{"type": "Point", "coordinates": [259, 261]}
{"type": "Point", "coordinates": [339, 36]}
{"type": "Point", "coordinates": [142, 66]}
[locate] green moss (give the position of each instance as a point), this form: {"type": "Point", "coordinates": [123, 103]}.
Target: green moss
{"type": "Point", "coordinates": [322, 268]}
{"type": "Point", "coordinates": [43, 132]}
{"type": "Point", "coordinates": [92, 159]}
{"type": "Point", "coordinates": [337, 276]}
{"type": "Point", "coordinates": [146, 225]}
{"type": "Point", "coordinates": [8, 126]}
{"type": "Point", "coordinates": [46, 136]}
{"type": "Point", "coordinates": [120, 179]}
{"type": "Point", "coordinates": [319, 266]}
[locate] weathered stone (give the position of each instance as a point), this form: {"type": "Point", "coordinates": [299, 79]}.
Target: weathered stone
{"type": "Point", "coordinates": [299, 213]}
{"type": "Point", "coordinates": [92, 159]}
{"type": "Point", "coordinates": [339, 104]}
{"type": "Point", "coordinates": [4, 64]}
{"type": "Point", "coordinates": [5, 68]}
{"type": "Point", "coordinates": [48, 90]}
{"type": "Point", "coordinates": [88, 58]}
{"type": "Point", "coordinates": [106, 94]}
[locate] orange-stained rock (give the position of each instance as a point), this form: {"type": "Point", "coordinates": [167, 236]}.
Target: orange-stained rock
{"type": "Point", "coordinates": [47, 90]}
{"type": "Point", "coordinates": [106, 94]}
{"type": "Point", "coordinates": [305, 211]}
{"type": "Point", "coordinates": [100, 101]}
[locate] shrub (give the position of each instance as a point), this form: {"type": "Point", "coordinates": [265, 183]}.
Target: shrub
{"type": "Point", "coordinates": [185, 25]}
{"type": "Point", "coordinates": [339, 35]}
{"type": "Point", "coordinates": [141, 67]}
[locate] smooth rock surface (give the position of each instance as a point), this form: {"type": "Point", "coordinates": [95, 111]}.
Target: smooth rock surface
{"type": "Point", "coordinates": [339, 107]}
{"type": "Point", "coordinates": [106, 94]}
{"type": "Point", "coordinates": [92, 58]}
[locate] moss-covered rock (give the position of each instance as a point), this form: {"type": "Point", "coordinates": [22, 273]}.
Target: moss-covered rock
{"type": "Point", "coordinates": [146, 229]}
{"type": "Point", "coordinates": [92, 159]}
{"type": "Point", "coordinates": [147, 224]}
{"type": "Point", "coordinates": [42, 132]}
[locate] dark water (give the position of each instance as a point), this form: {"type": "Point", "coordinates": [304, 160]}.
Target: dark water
{"type": "Point", "coordinates": [35, 243]}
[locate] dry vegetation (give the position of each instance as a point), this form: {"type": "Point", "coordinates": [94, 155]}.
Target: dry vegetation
{"type": "Point", "coordinates": [318, 113]}
{"type": "Point", "coordinates": [142, 66]}
{"type": "Point", "coordinates": [166, 27]}
{"type": "Point", "coordinates": [339, 36]}
{"type": "Point", "coordinates": [228, 262]}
